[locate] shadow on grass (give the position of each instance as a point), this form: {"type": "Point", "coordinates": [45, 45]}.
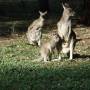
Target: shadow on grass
{"type": "Point", "coordinates": [81, 56]}
{"type": "Point", "coordinates": [34, 76]}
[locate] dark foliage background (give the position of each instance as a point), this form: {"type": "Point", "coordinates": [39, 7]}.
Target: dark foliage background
{"type": "Point", "coordinates": [18, 14]}
{"type": "Point", "coordinates": [29, 8]}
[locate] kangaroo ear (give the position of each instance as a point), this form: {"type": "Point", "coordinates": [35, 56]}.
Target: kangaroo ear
{"type": "Point", "coordinates": [67, 5]}
{"type": "Point", "coordinates": [63, 6]}
{"type": "Point", "coordinates": [42, 14]}
{"type": "Point", "coordinates": [45, 13]}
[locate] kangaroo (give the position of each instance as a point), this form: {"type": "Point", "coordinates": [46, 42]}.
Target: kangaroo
{"type": "Point", "coordinates": [65, 31]}
{"type": "Point", "coordinates": [34, 30]}
{"type": "Point", "coordinates": [48, 47]}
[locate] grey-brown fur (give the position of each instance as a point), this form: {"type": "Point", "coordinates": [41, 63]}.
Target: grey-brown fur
{"type": "Point", "coordinates": [65, 31]}
{"type": "Point", "coordinates": [48, 47]}
{"type": "Point", "coordinates": [34, 30]}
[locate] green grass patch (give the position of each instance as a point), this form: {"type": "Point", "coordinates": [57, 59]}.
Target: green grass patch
{"type": "Point", "coordinates": [18, 72]}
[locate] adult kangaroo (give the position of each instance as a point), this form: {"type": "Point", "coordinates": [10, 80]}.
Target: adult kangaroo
{"type": "Point", "coordinates": [65, 31]}
{"type": "Point", "coordinates": [34, 30]}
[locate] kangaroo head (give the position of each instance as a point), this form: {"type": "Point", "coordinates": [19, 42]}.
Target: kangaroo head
{"type": "Point", "coordinates": [67, 10]}
{"type": "Point", "coordinates": [42, 14]}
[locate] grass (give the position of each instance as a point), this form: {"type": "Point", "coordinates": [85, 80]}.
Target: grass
{"type": "Point", "coordinates": [18, 72]}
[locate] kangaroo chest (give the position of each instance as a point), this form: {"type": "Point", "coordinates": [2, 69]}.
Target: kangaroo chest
{"type": "Point", "coordinates": [63, 28]}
